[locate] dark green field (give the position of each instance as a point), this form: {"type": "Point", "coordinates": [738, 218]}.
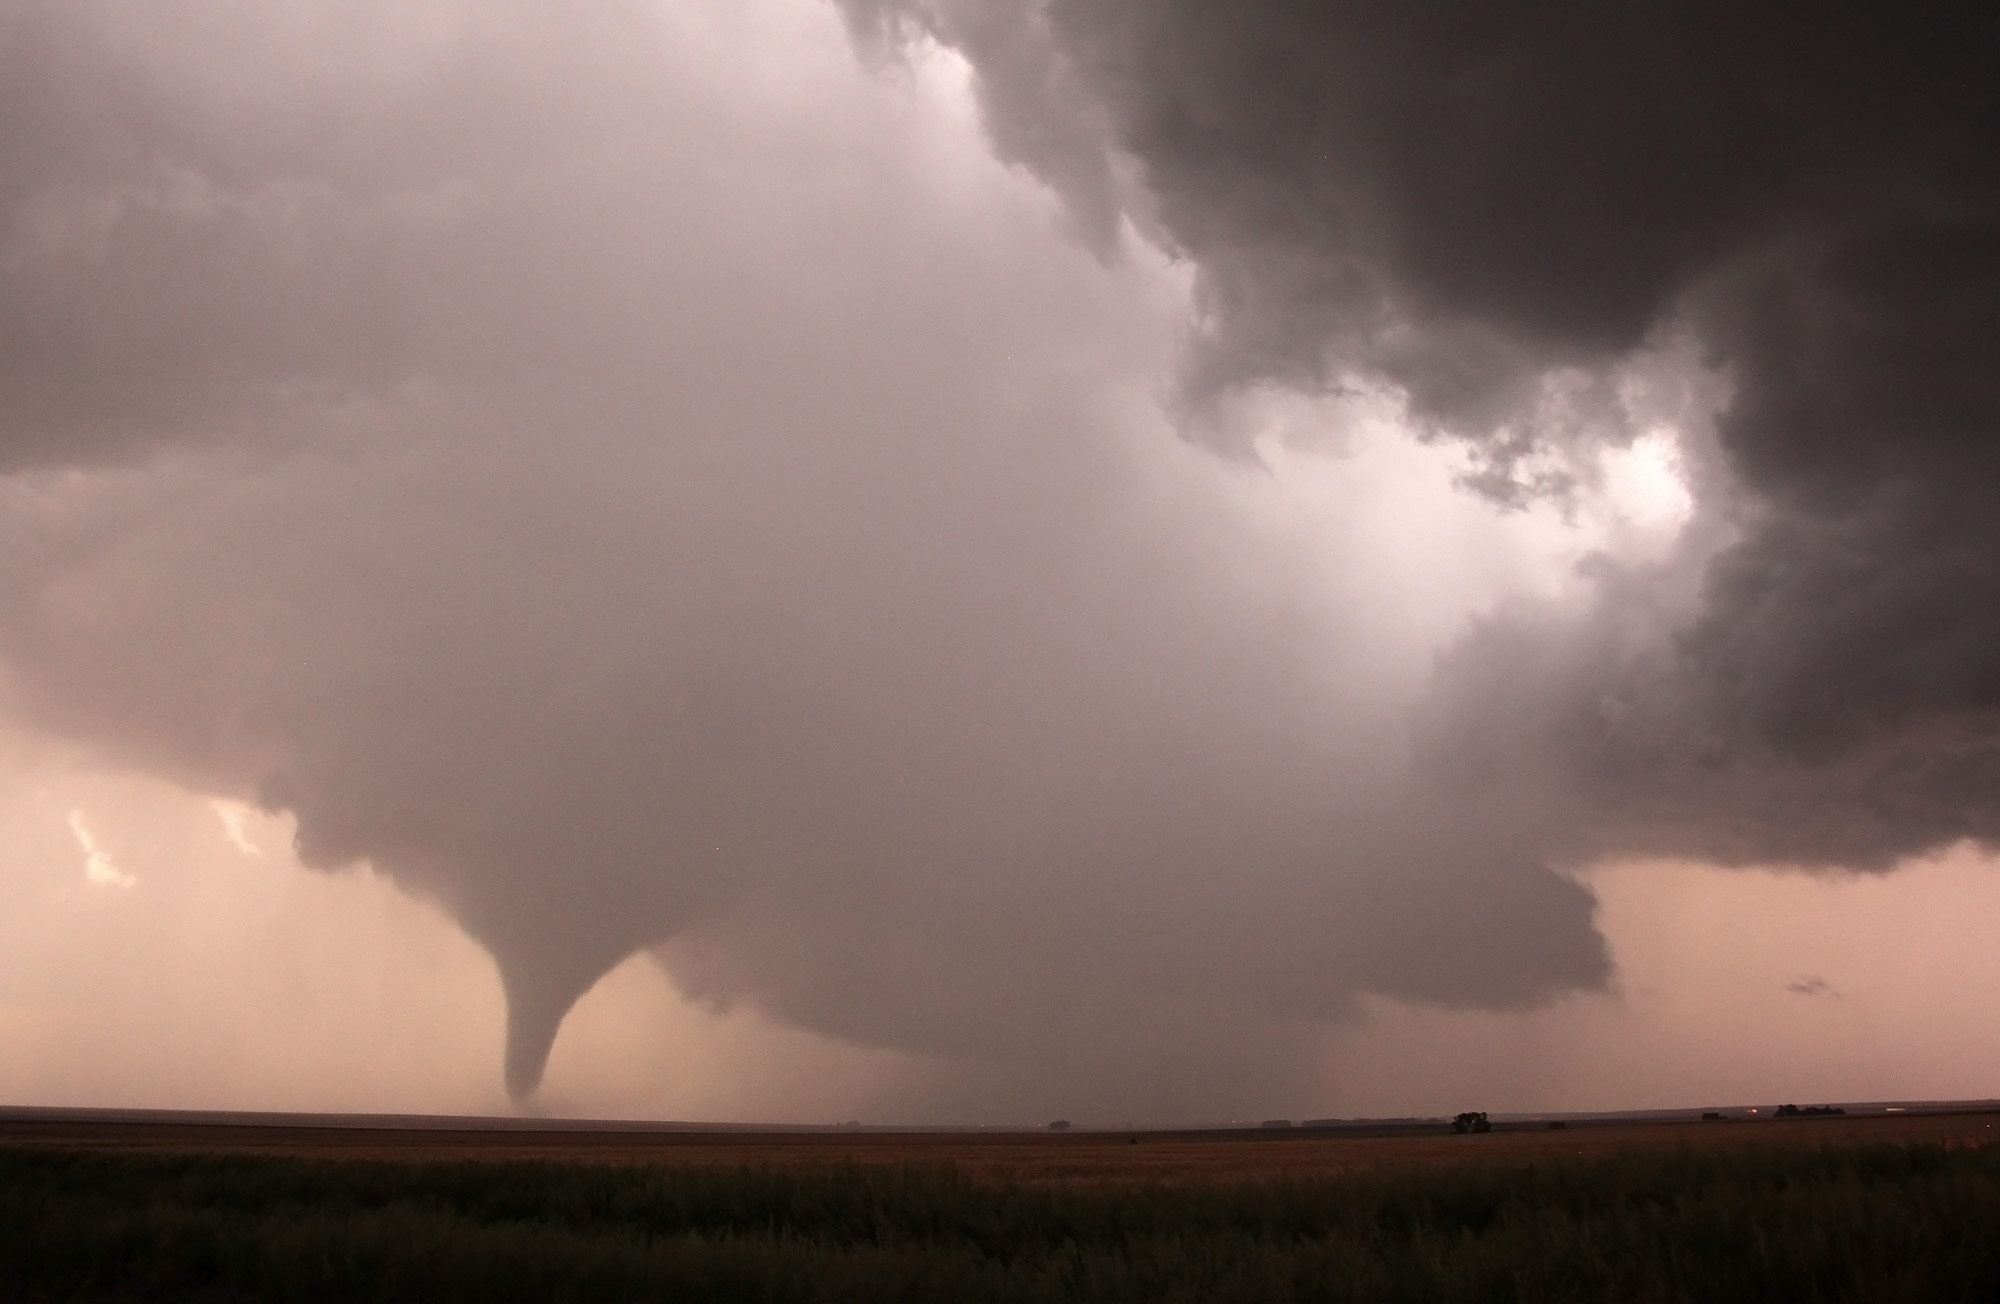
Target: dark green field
{"type": "Point", "coordinates": [1796, 1222]}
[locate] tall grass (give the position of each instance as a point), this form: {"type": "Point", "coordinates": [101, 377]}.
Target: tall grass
{"type": "Point", "coordinates": [1889, 1223]}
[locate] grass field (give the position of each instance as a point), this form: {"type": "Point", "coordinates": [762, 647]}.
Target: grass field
{"type": "Point", "coordinates": [1899, 1208]}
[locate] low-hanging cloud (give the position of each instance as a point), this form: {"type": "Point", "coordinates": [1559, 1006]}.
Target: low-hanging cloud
{"type": "Point", "coordinates": [644, 484]}
{"type": "Point", "coordinates": [642, 498]}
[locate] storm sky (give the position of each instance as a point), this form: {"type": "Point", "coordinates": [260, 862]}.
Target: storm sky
{"type": "Point", "coordinates": [989, 558]}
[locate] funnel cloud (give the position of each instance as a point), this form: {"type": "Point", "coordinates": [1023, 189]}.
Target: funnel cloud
{"type": "Point", "coordinates": [812, 492]}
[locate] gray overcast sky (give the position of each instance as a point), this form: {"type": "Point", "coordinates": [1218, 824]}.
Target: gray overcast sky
{"type": "Point", "coordinates": [1020, 559]}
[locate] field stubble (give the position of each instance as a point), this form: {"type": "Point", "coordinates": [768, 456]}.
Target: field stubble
{"type": "Point", "coordinates": [1835, 1209]}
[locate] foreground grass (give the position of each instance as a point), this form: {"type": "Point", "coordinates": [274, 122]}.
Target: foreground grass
{"type": "Point", "coordinates": [1880, 1223]}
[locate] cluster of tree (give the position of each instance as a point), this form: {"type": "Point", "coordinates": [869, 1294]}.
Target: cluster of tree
{"type": "Point", "coordinates": [1471, 1121]}
{"type": "Point", "coordinates": [1793, 1111]}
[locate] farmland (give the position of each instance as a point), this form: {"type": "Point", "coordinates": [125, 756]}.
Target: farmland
{"type": "Point", "coordinates": [1885, 1206]}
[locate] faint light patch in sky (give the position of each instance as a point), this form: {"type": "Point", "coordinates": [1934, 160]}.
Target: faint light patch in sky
{"type": "Point", "coordinates": [234, 816]}
{"type": "Point", "coordinates": [230, 981]}
{"type": "Point", "coordinates": [98, 866]}
{"type": "Point", "coordinates": [1645, 483]}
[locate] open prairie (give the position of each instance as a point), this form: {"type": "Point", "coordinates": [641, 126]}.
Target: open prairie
{"type": "Point", "coordinates": [1857, 1207]}
{"type": "Point", "coordinates": [1221, 1154]}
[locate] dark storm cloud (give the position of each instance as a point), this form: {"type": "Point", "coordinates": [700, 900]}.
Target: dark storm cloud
{"type": "Point", "coordinates": [1481, 205]}
{"type": "Point", "coordinates": [632, 481]}
{"type": "Point", "coordinates": [644, 490]}
{"type": "Point", "coordinates": [209, 217]}
{"type": "Point", "coordinates": [1463, 196]}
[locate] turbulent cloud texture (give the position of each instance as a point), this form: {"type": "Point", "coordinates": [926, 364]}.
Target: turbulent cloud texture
{"type": "Point", "coordinates": [1493, 211]}
{"type": "Point", "coordinates": [642, 482]}
{"type": "Point", "coordinates": [638, 499]}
